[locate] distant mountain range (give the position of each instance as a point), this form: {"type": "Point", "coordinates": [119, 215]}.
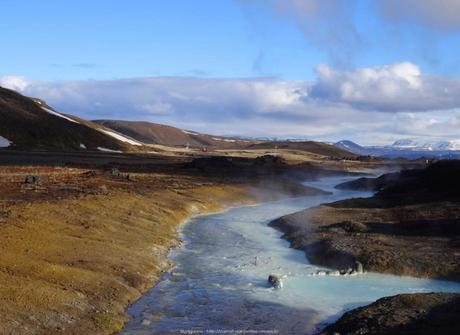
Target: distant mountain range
{"type": "Point", "coordinates": [407, 148]}
{"type": "Point", "coordinates": [422, 145]}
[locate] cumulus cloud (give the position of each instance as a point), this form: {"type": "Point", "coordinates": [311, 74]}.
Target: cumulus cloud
{"type": "Point", "coordinates": [183, 98]}
{"type": "Point", "coordinates": [390, 88]}
{"type": "Point", "coordinates": [372, 105]}
{"type": "Point", "coordinates": [17, 83]}
{"type": "Point", "coordinates": [250, 107]}
{"type": "Point", "coordinates": [441, 14]}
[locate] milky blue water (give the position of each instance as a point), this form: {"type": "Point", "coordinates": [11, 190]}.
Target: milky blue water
{"type": "Point", "coordinates": [220, 281]}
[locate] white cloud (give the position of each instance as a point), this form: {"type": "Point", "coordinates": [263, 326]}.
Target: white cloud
{"type": "Point", "coordinates": [17, 83]}
{"type": "Point", "coordinates": [390, 88]}
{"type": "Point", "coordinates": [373, 105]}
{"type": "Point", "coordinates": [157, 108]}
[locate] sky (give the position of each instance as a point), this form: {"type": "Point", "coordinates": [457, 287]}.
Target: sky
{"type": "Point", "coordinates": [371, 71]}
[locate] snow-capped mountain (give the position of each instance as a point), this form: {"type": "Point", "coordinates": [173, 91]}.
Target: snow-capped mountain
{"type": "Point", "coordinates": [407, 148]}
{"type": "Point", "coordinates": [431, 145]}
{"type": "Point", "coordinates": [352, 147]}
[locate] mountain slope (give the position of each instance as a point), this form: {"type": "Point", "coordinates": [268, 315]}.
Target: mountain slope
{"type": "Point", "coordinates": [407, 148]}
{"type": "Point", "coordinates": [429, 145]}
{"type": "Point", "coordinates": [30, 124]}
{"type": "Point", "coordinates": [153, 133]}
{"type": "Point", "coordinates": [352, 147]}
{"type": "Point", "coordinates": [318, 148]}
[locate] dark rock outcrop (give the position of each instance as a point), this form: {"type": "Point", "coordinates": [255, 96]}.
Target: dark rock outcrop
{"type": "Point", "coordinates": [409, 314]}
{"type": "Point", "coordinates": [410, 227]}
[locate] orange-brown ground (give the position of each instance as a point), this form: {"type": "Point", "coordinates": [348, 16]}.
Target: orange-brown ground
{"type": "Point", "coordinates": [76, 250]}
{"type": "Point", "coordinates": [79, 248]}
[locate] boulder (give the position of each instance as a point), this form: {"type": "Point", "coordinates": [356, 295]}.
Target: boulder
{"type": "Point", "coordinates": [275, 281]}
{"type": "Point", "coordinates": [115, 172]}
{"type": "Point", "coordinates": [34, 180]}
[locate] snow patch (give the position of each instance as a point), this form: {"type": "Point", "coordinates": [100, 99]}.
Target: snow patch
{"type": "Point", "coordinates": [223, 139]}
{"type": "Point", "coordinates": [120, 137]}
{"type": "Point", "coordinates": [107, 150]}
{"type": "Point", "coordinates": [189, 132]}
{"type": "Point", "coordinates": [58, 114]}
{"type": "Point", "coordinates": [4, 143]}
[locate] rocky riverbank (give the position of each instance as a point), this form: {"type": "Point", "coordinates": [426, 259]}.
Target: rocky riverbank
{"type": "Point", "coordinates": [410, 227]}
{"type": "Point", "coordinates": [409, 314]}
{"type": "Point", "coordinates": [417, 240]}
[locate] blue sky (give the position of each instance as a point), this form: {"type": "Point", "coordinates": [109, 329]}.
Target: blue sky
{"type": "Point", "coordinates": [55, 47]}
{"type": "Point", "coordinates": [55, 40]}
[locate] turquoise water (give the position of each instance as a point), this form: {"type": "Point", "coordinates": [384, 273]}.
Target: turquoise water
{"type": "Point", "coordinates": [219, 284]}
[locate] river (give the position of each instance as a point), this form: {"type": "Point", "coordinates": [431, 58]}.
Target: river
{"type": "Point", "coordinates": [219, 283]}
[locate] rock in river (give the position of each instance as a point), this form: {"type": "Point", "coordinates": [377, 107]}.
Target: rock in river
{"type": "Point", "coordinates": [275, 281]}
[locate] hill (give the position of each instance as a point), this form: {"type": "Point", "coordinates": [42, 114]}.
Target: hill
{"type": "Point", "coordinates": [352, 147]}
{"type": "Point", "coordinates": [30, 124]}
{"type": "Point", "coordinates": [154, 133]}
{"type": "Point", "coordinates": [318, 148]}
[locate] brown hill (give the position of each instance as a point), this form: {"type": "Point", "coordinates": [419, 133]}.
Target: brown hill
{"type": "Point", "coordinates": [154, 133]}
{"type": "Point", "coordinates": [30, 124]}
{"type": "Point", "coordinates": [318, 148]}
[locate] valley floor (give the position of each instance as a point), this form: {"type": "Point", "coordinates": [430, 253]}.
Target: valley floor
{"type": "Point", "coordinates": [87, 240]}
{"type": "Point", "coordinates": [83, 243]}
